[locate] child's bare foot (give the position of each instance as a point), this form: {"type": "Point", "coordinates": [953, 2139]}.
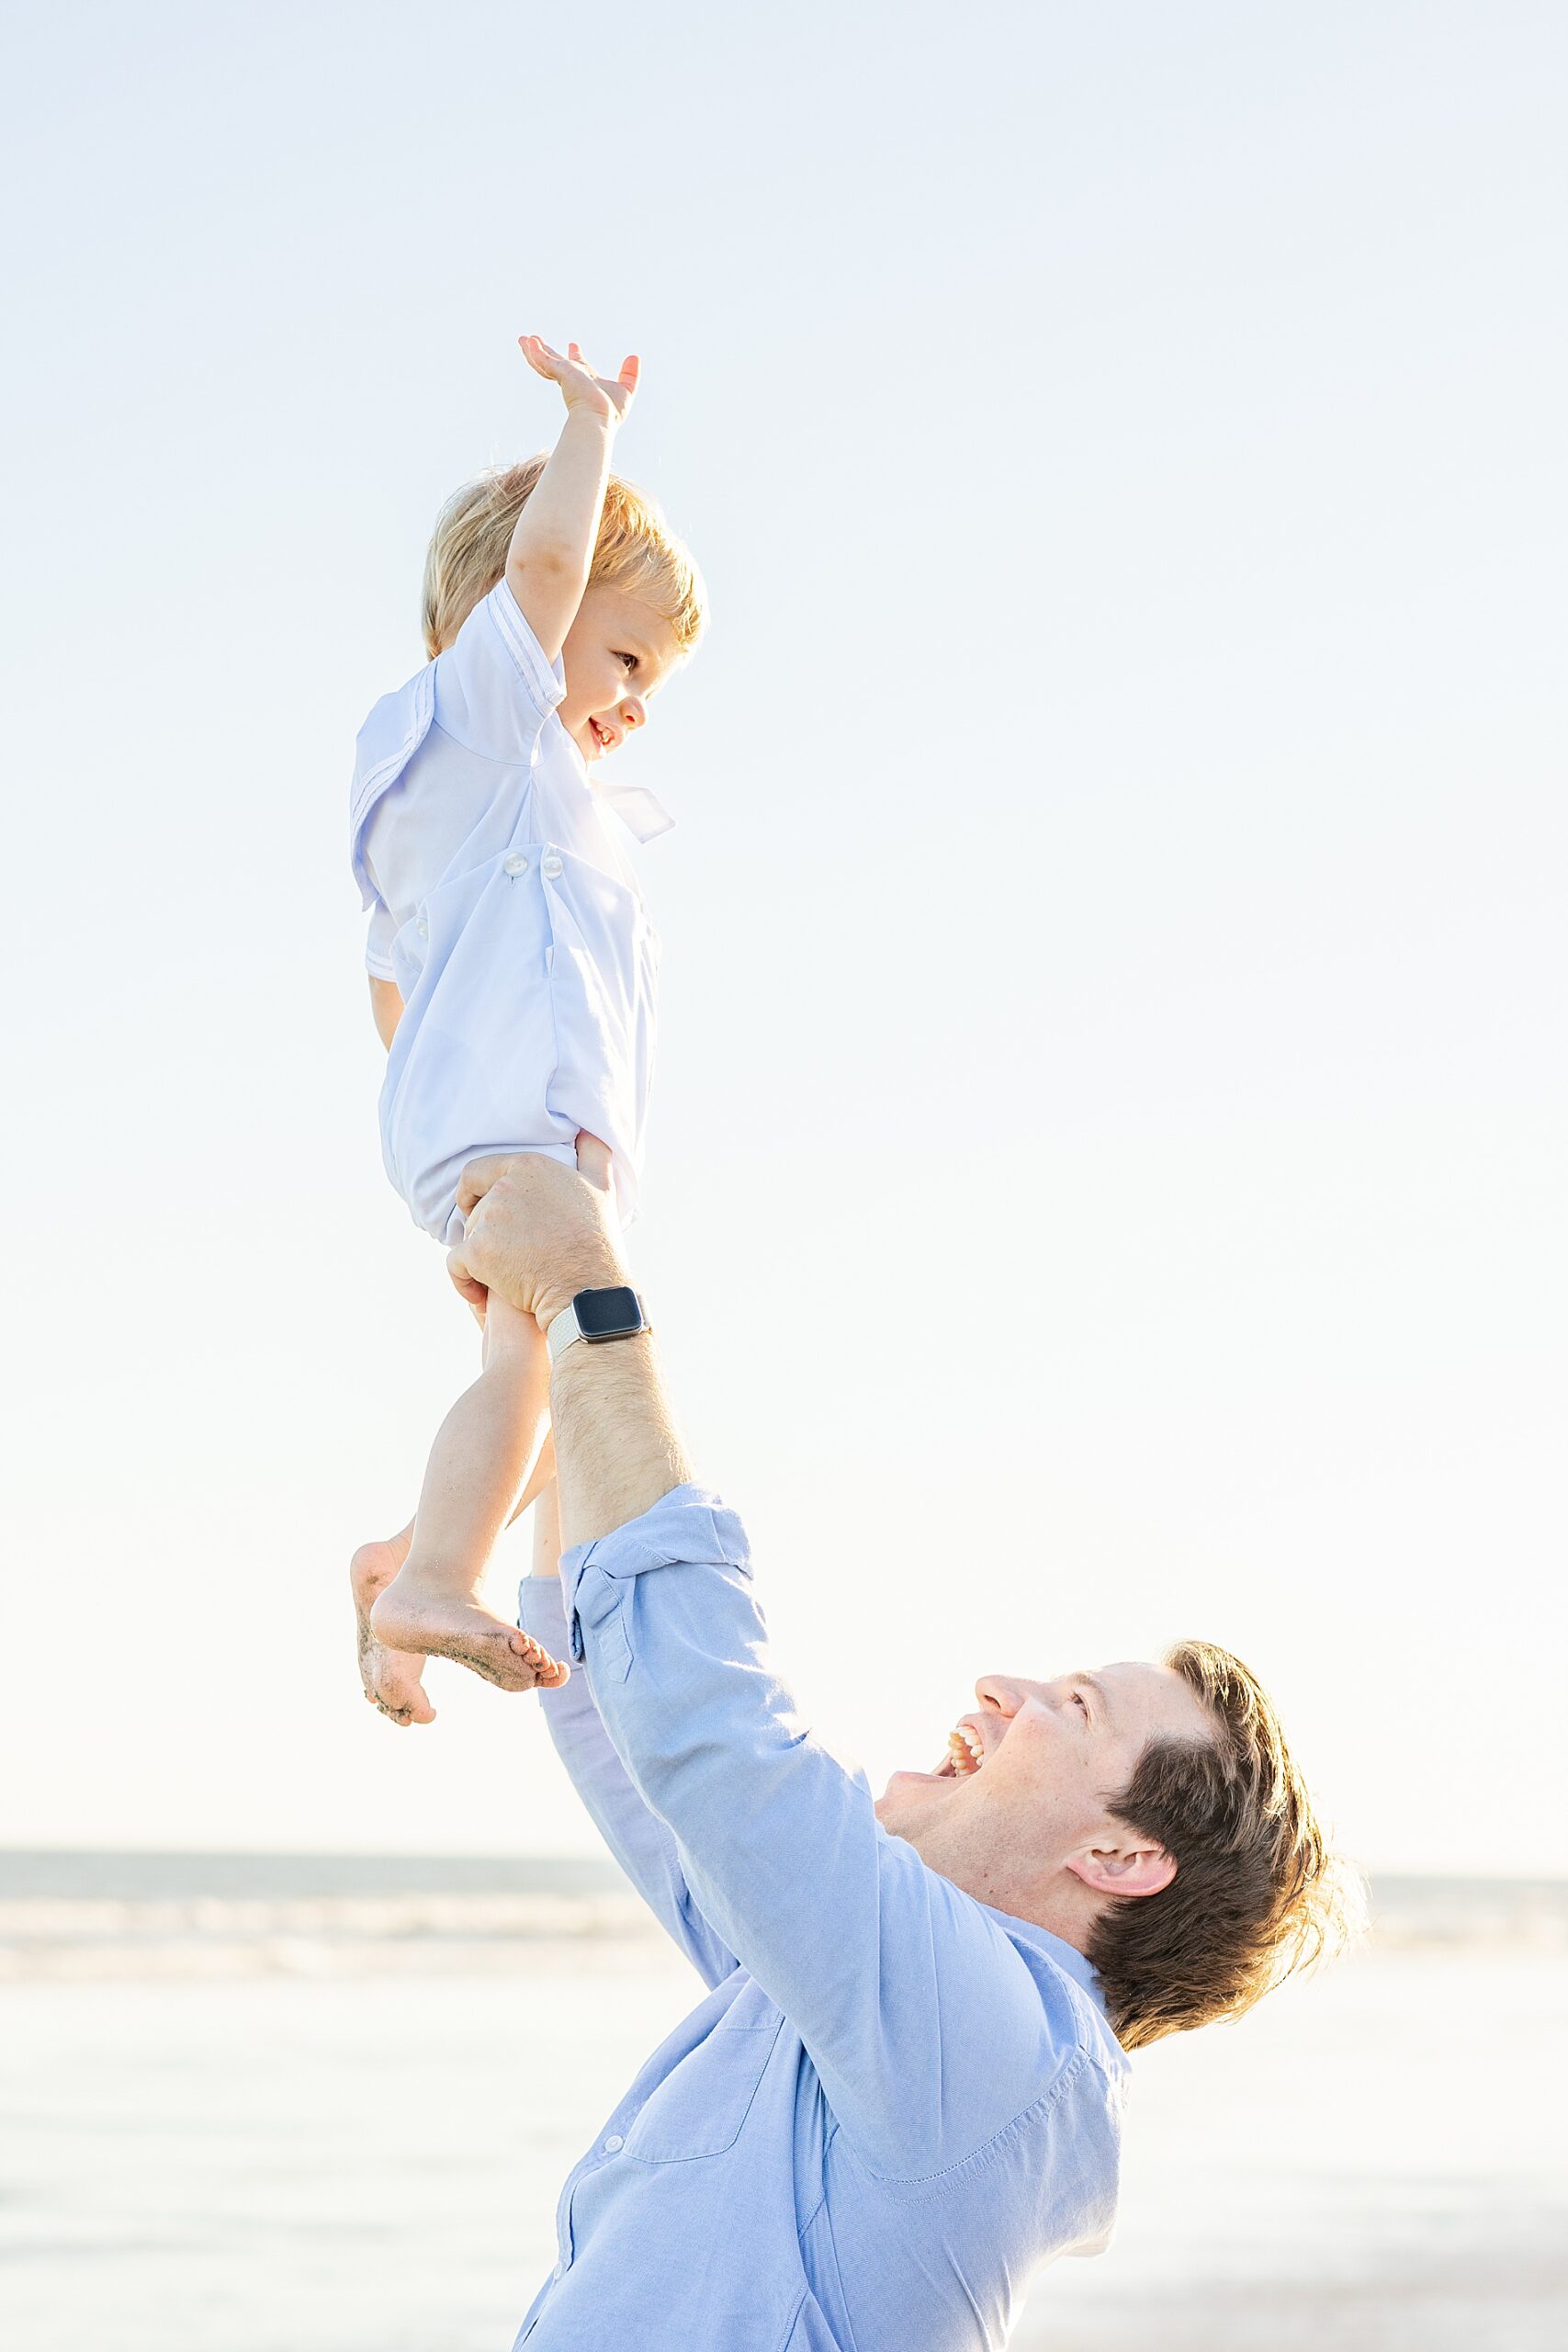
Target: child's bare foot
{"type": "Point", "coordinates": [420, 1613]}
{"type": "Point", "coordinates": [391, 1677]}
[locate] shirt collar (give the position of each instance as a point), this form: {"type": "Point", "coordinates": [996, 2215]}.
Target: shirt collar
{"type": "Point", "coordinates": [642, 813]}
{"type": "Point", "coordinates": [1068, 1957]}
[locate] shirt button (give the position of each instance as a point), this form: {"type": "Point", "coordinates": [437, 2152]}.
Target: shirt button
{"type": "Point", "coordinates": [612, 2142]}
{"type": "Point", "coordinates": [515, 866]}
{"type": "Point", "coordinates": [422, 928]}
{"type": "Point", "coordinates": [551, 867]}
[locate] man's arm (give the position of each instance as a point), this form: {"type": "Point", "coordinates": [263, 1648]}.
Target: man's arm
{"type": "Point", "coordinates": [641, 1843]}
{"type": "Point", "coordinates": [927, 2027]}
{"type": "Point", "coordinates": [552, 547]}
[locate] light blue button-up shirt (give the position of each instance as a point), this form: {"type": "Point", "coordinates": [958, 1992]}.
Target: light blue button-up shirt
{"type": "Point", "coordinates": [894, 2103]}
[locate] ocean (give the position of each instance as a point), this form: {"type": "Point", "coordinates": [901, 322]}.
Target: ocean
{"type": "Point", "coordinates": [251, 2102]}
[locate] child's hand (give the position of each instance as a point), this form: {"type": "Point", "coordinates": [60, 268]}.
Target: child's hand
{"type": "Point", "coordinates": [606, 396]}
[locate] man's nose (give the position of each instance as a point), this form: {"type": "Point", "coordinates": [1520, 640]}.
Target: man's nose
{"type": "Point", "coordinates": [632, 712]}
{"type": "Point", "coordinates": [997, 1691]}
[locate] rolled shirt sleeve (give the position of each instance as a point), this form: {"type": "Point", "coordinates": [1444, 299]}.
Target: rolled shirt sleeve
{"type": "Point", "coordinates": [922, 2018]}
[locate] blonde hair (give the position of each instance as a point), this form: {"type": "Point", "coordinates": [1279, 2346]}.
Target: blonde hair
{"type": "Point", "coordinates": [635, 551]}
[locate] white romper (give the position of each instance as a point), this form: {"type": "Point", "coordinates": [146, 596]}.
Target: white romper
{"type": "Point", "coordinates": [504, 907]}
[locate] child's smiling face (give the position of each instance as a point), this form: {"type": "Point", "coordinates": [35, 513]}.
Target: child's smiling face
{"type": "Point", "coordinates": [617, 654]}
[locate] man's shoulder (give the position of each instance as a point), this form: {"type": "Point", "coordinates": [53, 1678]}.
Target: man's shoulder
{"type": "Point", "coordinates": [1070, 1993]}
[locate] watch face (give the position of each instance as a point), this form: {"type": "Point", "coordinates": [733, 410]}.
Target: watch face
{"type": "Point", "coordinates": [607, 1314]}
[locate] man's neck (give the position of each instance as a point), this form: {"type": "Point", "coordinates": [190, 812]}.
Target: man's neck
{"type": "Point", "coordinates": [1059, 1902]}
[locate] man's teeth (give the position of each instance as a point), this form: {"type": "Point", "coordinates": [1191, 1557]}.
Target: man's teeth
{"type": "Point", "coordinates": [965, 1751]}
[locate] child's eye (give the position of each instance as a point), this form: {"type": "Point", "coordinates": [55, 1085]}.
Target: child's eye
{"type": "Point", "coordinates": [1078, 1700]}
{"type": "Point", "coordinates": [630, 661]}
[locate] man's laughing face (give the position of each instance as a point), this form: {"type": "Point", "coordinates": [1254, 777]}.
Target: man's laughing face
{"type": "Point", "coordinates": [1023, 1793]}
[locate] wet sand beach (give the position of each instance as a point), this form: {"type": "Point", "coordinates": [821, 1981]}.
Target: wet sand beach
{"type": "Point", "coordinates": [287, 2110]}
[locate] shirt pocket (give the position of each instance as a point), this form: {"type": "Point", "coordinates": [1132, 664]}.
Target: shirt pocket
{"type": "Point", "coordinates": [701, 2106]}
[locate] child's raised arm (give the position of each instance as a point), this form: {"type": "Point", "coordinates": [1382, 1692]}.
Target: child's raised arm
{"type": "Point", "coordinates": [552, 547]}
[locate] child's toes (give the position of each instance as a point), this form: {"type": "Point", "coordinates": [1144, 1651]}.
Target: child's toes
{"type": "Point", "coordinates": [393, 1685]}
{"type": "Point", "coordinates": [404, 1712]}
{"type": "Point", "coordinates": [547, 1672]}
{"type": "Point", "coordinates": [401, 1716]}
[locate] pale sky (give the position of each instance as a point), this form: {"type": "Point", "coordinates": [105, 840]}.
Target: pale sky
{"type": "Point", "coordinates": [1108, 1160]}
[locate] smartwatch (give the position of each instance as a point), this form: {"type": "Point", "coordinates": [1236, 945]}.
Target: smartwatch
{"type": "Point", "coordinates": [596, 1315]}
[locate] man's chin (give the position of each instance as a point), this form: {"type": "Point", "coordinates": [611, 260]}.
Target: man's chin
{"type": "Point", "coordinates": [895, 1802]}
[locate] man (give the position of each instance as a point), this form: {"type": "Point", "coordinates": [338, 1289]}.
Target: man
{"type": "Point", "coordinates": [903, 2092]}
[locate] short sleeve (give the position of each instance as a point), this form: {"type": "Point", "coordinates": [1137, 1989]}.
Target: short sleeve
{"type": "Point", "coordinates": [379, 944]}
{"type": "Point", "coordinates": [494, 690]}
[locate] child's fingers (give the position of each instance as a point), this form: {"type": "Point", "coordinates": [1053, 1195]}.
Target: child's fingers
{"type": "Point", "coordinates": [579, 359]}
{"type": "Point", "coordinates": [477, 1179]}
{"type": "Point", "coordinates": [631, 368]}
{"type": "Point", "coordinates": [464, 1284]}
{"type": "Point", "coordinates": [541, 357]}
{"type": "Point", "coordinates": [595, 1161]}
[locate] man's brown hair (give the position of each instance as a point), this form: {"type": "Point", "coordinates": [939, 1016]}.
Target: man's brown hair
{"type": "Point", "coordinates": [1256, 1894]}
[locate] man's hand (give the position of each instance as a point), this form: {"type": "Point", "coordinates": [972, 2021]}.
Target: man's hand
{"type": "Point", "coordinates": [537, 1232]}
{"type": "Point", "coordinates": [606, 396]}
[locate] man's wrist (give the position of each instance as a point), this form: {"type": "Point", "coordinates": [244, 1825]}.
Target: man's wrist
{"type": "Point", "coordinates": [633, 1352]}
{"type": "Point", "coordinates": [607, 1274]}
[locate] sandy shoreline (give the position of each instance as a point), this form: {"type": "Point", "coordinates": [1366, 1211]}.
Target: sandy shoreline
{"type": "Point", "coordinates": [338, 2163]}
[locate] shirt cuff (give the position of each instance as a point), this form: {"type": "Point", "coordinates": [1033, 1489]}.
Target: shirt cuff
{"type": "Point", "coordinates": [688, 1527]}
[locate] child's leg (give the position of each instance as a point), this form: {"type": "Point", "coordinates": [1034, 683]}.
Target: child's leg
{"type": "Point", "coordinates": [480, 1465]}
{"type": "Point", "coordinates": [391, 1678]}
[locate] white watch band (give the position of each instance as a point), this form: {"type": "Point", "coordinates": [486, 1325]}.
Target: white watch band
{"type": "Point", "coordinates": [562, 1329]}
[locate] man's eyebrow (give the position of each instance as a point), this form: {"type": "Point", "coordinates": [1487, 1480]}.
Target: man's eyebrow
{"type": "Point", "coordinates": [1093, 1682]}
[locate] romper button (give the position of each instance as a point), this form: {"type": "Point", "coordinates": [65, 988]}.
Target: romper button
{"type": "Point", "coordinates": [559, 2271]}
{"type": "Point", "coordinates": [612, 2142]}
{"type": "Point", "coordinates": [551, 867]}
{"type": "Point", "coordinates": [515, 866]}
{"type": "Point", "coordinates": [422, 928]}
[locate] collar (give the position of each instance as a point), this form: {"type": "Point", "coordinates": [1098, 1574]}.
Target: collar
{"type": "Point", "coordinates": [642, 813]}
{"type": "Point", "coordinates": [1068, 1957]}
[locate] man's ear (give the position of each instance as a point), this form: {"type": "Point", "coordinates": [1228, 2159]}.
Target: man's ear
{"type": "Point", "coordinates": [1124, 1870]}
